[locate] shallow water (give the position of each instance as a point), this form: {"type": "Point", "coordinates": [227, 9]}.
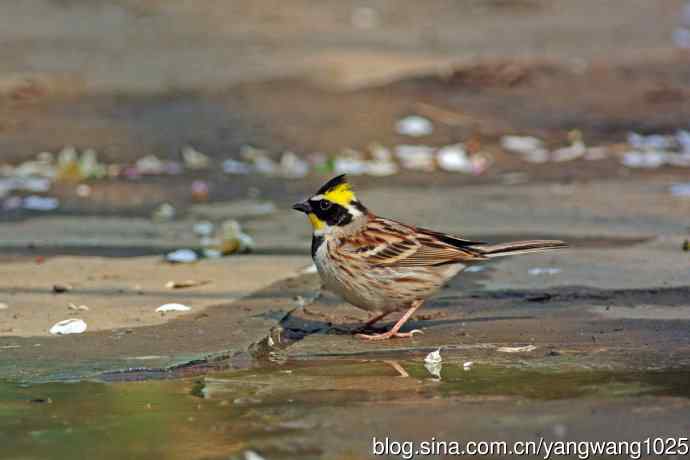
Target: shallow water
{"type": "Point", "coordinates": [281, 411]}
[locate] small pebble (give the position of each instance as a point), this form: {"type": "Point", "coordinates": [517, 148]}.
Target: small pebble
{"type": "Point", "coordinates": [251, 455]}
{"type": "Point", "coordinates": [414, 126]}
{"type": "Point", "coordinates": [182, 256]}
{"type": "Point", "coordinates": [172, 307]}
{"type": "Point", "coordinates": [68, 326]}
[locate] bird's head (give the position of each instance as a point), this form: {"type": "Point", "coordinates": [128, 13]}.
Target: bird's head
{"type": "Point", "coordinates": [334, 205]}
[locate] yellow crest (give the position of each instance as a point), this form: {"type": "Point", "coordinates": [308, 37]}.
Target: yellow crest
{"type": "Point", "coordinates": [337, 190]}
{"type": "Point", "coordinates": [341, 194]}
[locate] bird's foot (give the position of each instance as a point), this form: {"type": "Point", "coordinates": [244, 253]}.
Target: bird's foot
{"type": "Point", "coordinates": [389, 335]}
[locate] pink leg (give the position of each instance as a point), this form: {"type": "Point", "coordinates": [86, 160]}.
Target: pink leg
{"type": "Point", "coordinates": [394, 331]}
{"type": "Point", "coordinates": [398, 368]}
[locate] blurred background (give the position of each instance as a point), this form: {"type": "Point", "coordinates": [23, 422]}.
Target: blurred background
{"type": "Point", "coordinates": [125, 105]}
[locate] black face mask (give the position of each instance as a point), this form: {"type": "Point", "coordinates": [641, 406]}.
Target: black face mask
{"type": "Point", "coordinates": [331, 213]}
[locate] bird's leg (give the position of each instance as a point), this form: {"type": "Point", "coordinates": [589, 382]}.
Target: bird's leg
{"type": "Point", "coordinates": [372, 320]}
{"type": "Point", "coordinates": [394, 331]}
{"type": "Point", "coordinates": [398, 368]}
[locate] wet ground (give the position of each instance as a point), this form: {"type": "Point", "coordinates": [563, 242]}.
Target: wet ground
{"type": "Point", "coordinates": [334, 409]}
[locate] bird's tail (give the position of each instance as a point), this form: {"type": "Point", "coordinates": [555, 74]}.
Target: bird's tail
{"type": "Point", "coordinates": [518, 247]}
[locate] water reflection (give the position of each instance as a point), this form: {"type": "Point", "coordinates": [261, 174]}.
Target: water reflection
{"type": "Point", "coordinates": [226, 413]}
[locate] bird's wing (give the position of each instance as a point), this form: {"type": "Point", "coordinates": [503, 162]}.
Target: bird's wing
{"type": "Point", "coordinates": [386, 243]}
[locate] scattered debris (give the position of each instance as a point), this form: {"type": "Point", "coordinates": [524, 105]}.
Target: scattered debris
{"type": "Point", "coordinates": [293, 167]}
{"type": "Point", "coordinates": [194, 159]}
{"type": "Point", "coordinates": [149, 165]}
{"type": "Point", "coordinates": [203, 228]}
{"type": "Point", "coordinates": [381, 168]}
{"type": "Point", "coordinates": [537, 271]}
{"type": "Point", "coordinates": [231, 166]}
{"type": "Point", "coordinates": [382, 163]}
{"type": "Point", "coordinates": [233, 239]}
{"type": "Point", "coordinates": [172, 307]}
{"type": "Point", "coordinates": [3, 306]}
{"type": "Point", "coordinates": [78, 307]}
{"type": "Point", "coordinates": [182, 256]}
{"type": "Point", "coordinates": [24, 184]}
{"type": "Point", "coordinates": [185, 284]}
{"type": "Point", "coordinates": [68, 326]}
{"type": "Point", "coordinates": [644, 160]}
{"type": "Point", "coordinates": [467, 365]}
{"type": "Point", "coordinates": [650, 142]}
{"type": "Point", "coordinates": [524, 349]}
{"type": "Point", "coordinates": [251, 455]}
{"type": "Point", "coordinates": [200, 190]}
{"type": "Point", "coordinates": [164, 213]}
{"type": "Point", "coordinates": [434, 357]}
{"type": "Point", "coordinates": [533, 150]}
{"type": "Point", "coordinates": [414, 126]}
{"type": "Point", "coordinates": [575, 150]}
{"type": "Point", "coordinates": [353, 162]}
{"type": "Point", "coordinates": [454, 158]}
{"type": "Point", "coordinates": [433, 364]}
{"type": "Point", "coordinates": [350, 162]}
{"type": "Point", "coordinates": [40, 203]}
{"type": "Point", "coordinates": [655, 150]}
{"type": "Point", "coordinates": [416, 157]}
{"type": "Point", "coordinates": [71, 167]}
{"type": "Point", "coordinates": [522, 144]}
{"type": "Point", "coordinates": [259, 160]}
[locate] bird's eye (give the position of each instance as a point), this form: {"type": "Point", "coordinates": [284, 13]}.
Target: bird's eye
{"type": "Point", "coordinates": [325, 205]}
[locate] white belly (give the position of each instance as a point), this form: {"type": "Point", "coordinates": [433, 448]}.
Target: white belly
{"type": "Point", "coordinates": [382, 288]}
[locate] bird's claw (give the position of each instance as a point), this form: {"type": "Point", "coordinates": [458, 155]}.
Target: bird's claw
{"type": "Point", "coordinates": [389, 335]}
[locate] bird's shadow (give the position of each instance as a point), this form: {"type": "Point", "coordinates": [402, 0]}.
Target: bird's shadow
{"type": "Point", "coordinates": [298, 326]}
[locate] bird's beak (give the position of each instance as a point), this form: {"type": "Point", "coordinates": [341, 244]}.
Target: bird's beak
{"type": "Point", "coordinates": [302, 207]}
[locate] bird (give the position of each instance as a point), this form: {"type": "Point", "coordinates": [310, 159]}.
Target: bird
{"type": "Point", "coordinates": [384, 266]}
